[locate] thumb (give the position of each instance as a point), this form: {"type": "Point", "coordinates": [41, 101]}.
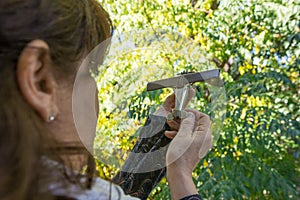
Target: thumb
{"type": "Point", "coordinates": [169, 102]}
{"type": "Point", "coordinates": [187, 125]}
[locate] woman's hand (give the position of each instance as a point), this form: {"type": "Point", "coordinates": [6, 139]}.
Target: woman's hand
{"type": "Point", "coordinates": [166, 109]}
{"type": "Point", "coordinates": [189, 145]}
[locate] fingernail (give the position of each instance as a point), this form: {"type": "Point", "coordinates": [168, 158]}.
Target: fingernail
{"type": "Point", "coordinates": [191, 115]}
{"type": "Point", "coordinates": [170, 117]}
{"type": "Point", "coordinates": [170, 134]}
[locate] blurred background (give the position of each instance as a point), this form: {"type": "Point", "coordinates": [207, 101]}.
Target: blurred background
{"type": "Point", "coordinates": [255, 44]}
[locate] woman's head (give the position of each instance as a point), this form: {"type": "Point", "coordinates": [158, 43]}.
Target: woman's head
{"type": "Point", "coordinates": [70, 28]}
{"type": "Point", "coordinates": [42, 43]}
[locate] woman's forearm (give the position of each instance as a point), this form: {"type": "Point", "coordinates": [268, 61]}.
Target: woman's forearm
{"type": "Point", "coordinates": [181, 183]}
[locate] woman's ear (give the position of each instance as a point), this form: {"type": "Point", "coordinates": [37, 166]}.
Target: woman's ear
{"type": "Point", "coordinates": [35, 76]}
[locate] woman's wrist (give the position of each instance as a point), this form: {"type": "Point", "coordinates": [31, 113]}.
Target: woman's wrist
{"type": "Point", "coordinates": [180, 182]}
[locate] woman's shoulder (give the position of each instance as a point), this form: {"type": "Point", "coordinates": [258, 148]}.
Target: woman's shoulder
{"type": "Point", "coordinates": [57, 185]}
{"type": "Point", "coordinates": [103, 189]}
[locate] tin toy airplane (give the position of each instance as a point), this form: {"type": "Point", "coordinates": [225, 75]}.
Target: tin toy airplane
{"type": "Point", "coordinates": [181, 85]}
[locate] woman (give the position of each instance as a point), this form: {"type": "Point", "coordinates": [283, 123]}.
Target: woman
{"type": "Point", "coordinates": [42, 43]}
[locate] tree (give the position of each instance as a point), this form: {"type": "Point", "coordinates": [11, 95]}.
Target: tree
{"type": "Point", "coordinates": [256, 46]}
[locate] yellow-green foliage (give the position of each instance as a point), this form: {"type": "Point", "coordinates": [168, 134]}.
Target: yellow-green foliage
{"type": "Point", "coordinates": [256, 46]}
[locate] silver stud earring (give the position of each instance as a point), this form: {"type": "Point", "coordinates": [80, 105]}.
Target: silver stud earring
{"type": "Point", "coordinates": [51, 118]}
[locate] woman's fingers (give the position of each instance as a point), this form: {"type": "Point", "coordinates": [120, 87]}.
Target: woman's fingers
{"type": "Point", "coordinates": [174, 125]}
{"type": "Point", "coordinates": [170, 134]}
{"type": "Point", "coordinates": [167, 106]}
{"type": "Point", "coordinates": [187, 125]}
{"type": "Point", "coordinates": [181, 144]}
{"type": "Point", "coordinates": [169, 103]}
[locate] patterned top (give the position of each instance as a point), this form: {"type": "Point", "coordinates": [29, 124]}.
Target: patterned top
{"type": "Point", "coordinates": [58, 185]}
{"type": "Point", "coordinates": [101, 189]}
